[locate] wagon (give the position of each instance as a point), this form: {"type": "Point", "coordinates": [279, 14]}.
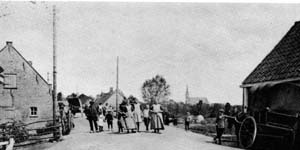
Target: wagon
{"type": "Point", "coordinates": [270, 130]}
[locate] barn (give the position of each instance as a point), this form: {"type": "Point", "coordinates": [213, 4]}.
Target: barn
{"type": "Point", "coordinates": [275, 82]}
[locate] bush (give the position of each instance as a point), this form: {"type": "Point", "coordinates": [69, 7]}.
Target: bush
{"type": "Point", "coordinates": [203, 122]}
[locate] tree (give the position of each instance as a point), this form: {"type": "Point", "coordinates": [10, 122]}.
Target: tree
{"type": "Point", "coordinates": [215, 109]}
{"type": "Point", "coordinates": [155, 89]}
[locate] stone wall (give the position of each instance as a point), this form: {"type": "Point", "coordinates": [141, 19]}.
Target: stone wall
{"type": "Point", "coordinates": [31, 90]}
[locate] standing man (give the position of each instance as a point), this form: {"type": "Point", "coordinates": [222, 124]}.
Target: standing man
{"type": "Point", "coordinates": [92, 116]}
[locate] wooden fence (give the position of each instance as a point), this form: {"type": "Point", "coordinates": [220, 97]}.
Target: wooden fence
{"type": "Point", "coordinates": [24, 134]}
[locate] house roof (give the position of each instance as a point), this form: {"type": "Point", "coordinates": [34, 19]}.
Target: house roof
{"type": "Point", "coordinates": [84, 99]}
{"type": "Point", "coordinates": [9, 45]}
{"type": "Point", "coordinates": [105, 96]}
{"type": "Point", "coordinates": [282, 63]}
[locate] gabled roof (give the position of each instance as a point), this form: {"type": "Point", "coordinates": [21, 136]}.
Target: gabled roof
{"type": "Point", "coordinates": [282, 63]}
{"type": "Point", "coordinates": [9, 45]}
{"type": "Point", "coordinates": [105, 96]}
{"type": "Point", "coordinates": [84, 99]}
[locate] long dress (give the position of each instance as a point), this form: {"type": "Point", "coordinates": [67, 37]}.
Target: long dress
{"type": "Point", "coordinates": [101, 120]}
{"type": "Point", "coordinates": [129, 120]}
{"type": "Point", "coordinates": [156, 117]}
{"type": "Point", "coordinates": [137, 113]}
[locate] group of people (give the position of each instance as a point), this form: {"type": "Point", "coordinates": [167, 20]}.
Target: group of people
{"type": "Point", "coordinates": [97, 114]}
{"type": "Point", "coordinates": [129, 117]}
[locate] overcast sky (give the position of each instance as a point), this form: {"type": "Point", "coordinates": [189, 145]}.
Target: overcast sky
{"type": "Point", "coordinates": [209, 47]}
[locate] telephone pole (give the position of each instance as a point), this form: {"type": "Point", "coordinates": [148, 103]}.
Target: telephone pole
{"type": "Point", "coordinates": [117, 86]}
{"type": "Point", "coordinates": [54, 69]}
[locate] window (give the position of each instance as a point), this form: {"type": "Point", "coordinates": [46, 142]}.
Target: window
{"type": "Point", "coordinates": [10, 81]}
{"type": "Point", "coordinates": [33, 111]}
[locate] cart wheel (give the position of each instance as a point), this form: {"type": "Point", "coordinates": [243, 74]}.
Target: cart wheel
{"type": "Point", "coordinates": [247, 132]}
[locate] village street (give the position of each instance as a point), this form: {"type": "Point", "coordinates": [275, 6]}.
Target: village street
{"type": "Point", "coordinates": [171, 138]}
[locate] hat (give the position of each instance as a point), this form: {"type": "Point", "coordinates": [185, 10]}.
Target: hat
{"type": "Point", "coordinates": [221, 110]}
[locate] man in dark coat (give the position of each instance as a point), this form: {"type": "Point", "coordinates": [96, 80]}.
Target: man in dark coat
{"type": "Point", "coordinates": [91, 113]}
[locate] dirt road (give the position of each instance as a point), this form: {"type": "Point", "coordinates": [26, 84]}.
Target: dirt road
{"type": "Point", "coordinates": [171, 138]}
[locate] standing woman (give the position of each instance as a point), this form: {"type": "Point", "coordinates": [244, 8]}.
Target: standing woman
{"type": "Point", "coordinates": [122, 116]}
{"type": "Point", "coordinates": [137, 114]}
{"type": "Point", "coordinates": [156, 117]}
{"type": "Point", "coordinates": [129, 120]}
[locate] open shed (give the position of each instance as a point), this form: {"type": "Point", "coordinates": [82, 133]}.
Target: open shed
{"type": "Point", "coordinates": [275, 82]}
{"type": "Point", "coordinates": [271, 98]}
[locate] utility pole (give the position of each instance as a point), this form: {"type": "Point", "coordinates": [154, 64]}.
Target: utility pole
{"type": "Point", "coordinates": [117, 86]}
{"type": "Point", "coordinates": [48, 80]}
{"type": "Point", "coordinates": [54, 70]}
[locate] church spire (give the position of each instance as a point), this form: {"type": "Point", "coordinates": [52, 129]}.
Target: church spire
{"type": "Point", "coordinates": [187, 94]}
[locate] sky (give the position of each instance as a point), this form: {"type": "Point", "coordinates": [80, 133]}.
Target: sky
{"type": "Point", "coordinates": [209, 47]}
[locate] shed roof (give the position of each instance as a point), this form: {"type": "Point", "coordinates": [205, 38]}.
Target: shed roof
{"type": "Point", "coordinates": [282, 63]}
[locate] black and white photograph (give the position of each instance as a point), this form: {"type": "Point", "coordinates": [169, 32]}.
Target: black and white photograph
{"type": "Point", "coordinates": [149, 75]}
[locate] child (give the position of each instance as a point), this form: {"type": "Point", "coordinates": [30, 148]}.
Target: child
{"type": "Point", "coordinates": [101, 122]}
{"type": "Point", "coordinates": [220, 125]}
{"type": "Point", "coordinates": [120, 122]}
{"type": "Point", "coordinates": [109, 119]}
{"type": "Point", "coordinates": [188, 119]}
{"type": "Point", "coordinates": [146, 117]}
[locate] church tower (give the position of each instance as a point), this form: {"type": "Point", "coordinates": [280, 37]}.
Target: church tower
{"type": "Point", "coordinates": [187, 96]}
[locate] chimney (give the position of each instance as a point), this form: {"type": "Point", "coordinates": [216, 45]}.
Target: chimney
{"type": "Point", "coordinates": [30, 63]}
{"type": "Point", "coordinates": [9, 43]}
{"type": "Point", "coordinates": [111, 89]}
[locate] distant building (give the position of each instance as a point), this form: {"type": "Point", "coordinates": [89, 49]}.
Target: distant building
{"type": "Point", "coordinates": [110, 97]}
{"type": "Point", "coordinates": [25, 94]}
{"type": "Point", "coordinates": [194, 100]}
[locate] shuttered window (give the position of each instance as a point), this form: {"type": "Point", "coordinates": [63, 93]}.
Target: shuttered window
{"type": "Point", "coordinates": [10, 81]}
